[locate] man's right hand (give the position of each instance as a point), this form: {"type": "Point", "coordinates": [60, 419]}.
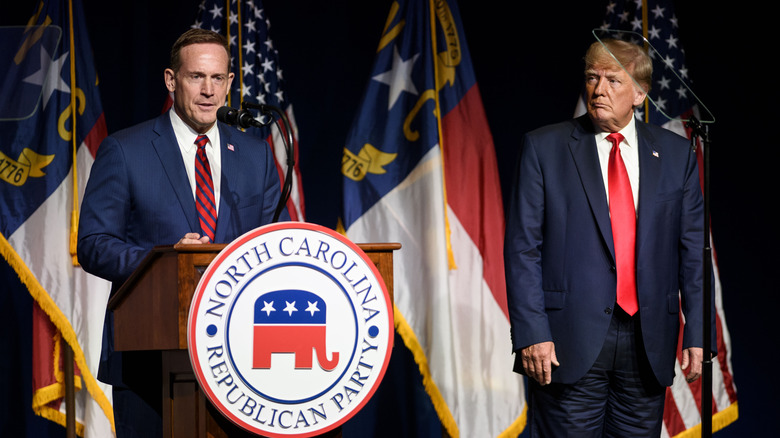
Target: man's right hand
{"type": "Point", "coordinates": [538, 360]}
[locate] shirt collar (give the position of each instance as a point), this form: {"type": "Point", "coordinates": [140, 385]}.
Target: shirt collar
{"type": "Point", "coordinates": [186, 134]}
{"type": "Point", "coordinates": [628, 132]}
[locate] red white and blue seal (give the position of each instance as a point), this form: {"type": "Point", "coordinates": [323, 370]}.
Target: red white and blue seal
{"type": "Point", "coordinates": [290, 330]}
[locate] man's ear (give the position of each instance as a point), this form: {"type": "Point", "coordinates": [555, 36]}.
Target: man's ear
{"type": "Point", "coordinates": [170, 80]}
{"type": "Point", "coordinates": [639, 97]}
{"type": "Point", "coordinates": [230, 80]}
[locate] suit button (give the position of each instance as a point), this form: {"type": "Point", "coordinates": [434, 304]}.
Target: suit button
{"type": "Point", "coordinates": [608, 310]}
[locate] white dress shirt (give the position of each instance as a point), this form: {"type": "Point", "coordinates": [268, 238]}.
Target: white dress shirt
{"type": "Point", "coordinates": [186, 136]}
{"type": "Point", "coordinates": [629, 151]}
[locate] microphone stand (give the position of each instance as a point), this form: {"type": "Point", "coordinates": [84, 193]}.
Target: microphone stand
{"type": "Point", "coordinates": [286, 130]}
{"type": "Point", "coordinates": [700, 130]}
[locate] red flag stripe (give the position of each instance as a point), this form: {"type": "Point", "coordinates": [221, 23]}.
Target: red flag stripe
{"type": "Point", "coordinates": [478, 204]}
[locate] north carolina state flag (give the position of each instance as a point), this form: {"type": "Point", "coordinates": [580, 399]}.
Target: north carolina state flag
{"type": "Point", "coordinates": [51, 123]}
{"type": "Point", "coordinates": [420, 168]}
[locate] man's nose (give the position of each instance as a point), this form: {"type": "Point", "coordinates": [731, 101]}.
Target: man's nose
{"type": "Point", "coordinates": [207, 88]}
{"type": "Point", "coordinates": [599, 88]}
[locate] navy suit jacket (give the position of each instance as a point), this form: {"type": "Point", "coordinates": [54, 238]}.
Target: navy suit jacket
{"type": "Point", "coordinates": [138, 196]}
{"type": "Point", "coordinates": [559, 253]}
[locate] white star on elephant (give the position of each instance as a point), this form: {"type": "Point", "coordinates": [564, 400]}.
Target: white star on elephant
{"type": "Point", "coordinates": [312, 307]}
{"type": "Point", "coordinates": [268, 308]}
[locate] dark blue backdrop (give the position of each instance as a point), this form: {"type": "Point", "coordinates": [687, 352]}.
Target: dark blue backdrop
{"type": "Point", "coordinates": [527, 58]}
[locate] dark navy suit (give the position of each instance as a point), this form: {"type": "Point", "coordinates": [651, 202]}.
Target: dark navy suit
{"type": "Point", "coordinates": [559, 253]}
{"type": "Point", "coordinates": [138, 196]}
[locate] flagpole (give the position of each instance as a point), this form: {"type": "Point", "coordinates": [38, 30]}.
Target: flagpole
{"type": "Point", "coordinates": [70, 391]}
{"type": "Point", "coordinates": [706, 387]}
{"type": "Point", "coordinates": [699, 130]}
{"type": "Point", "coordinates": [647, 45]}
{"type": "Point", "coordinates": [240, 45]}
{"type": "Point", "coordinates": [437, 88]}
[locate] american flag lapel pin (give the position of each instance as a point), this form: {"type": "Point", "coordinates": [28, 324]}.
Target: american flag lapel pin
{"type": "Point", "coordinates": [232, 148]}
{"type": "Point", "coordinates": [655, 154]}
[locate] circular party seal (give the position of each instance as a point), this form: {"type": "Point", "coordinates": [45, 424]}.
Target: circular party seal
{"type": "Point", "coordinates": [290, 330]}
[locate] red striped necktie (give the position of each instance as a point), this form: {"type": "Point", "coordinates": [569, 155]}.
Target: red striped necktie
{"type": "Point", "coordinates": [623, 217]}
{"type": "Point", "coordinates": [204, 190]}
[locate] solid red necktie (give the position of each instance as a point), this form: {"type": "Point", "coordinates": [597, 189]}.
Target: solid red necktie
{"type": "Point", "coordinates": [623, 217]}
{"type": "Point", "coordinates": [204, 190]}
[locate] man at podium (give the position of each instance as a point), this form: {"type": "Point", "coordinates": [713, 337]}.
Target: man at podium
{"type": "Point", "coordinates": [181, 177]}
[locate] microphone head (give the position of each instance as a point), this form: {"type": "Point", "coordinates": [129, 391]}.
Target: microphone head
{"type": "Point", "coordinates": [227, 115]}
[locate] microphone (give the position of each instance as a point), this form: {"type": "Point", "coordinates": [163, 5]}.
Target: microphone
{"type": "Point", "coordinates": [243, 118]}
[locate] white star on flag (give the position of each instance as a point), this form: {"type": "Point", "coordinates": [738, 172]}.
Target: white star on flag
{"type": "Point", "coordinates": [399, 77]}
{"type": "Point", "coordinates": [216, 11]}
{"type": "Point", "coordinates": [49, 76]}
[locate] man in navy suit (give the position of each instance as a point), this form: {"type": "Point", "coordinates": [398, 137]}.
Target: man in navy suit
{"type": "Point", "coordinates": [599, 365]}
{"type": "Point", "coordinates": [142, 193]}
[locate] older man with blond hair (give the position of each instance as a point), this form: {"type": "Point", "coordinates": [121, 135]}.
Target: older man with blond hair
{"type": "Point", "coordinates": [603, 249]}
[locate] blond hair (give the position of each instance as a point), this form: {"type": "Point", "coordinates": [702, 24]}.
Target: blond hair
{"type": "Point", "coordinates": [631, 56]}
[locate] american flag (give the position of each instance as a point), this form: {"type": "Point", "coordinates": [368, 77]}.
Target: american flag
{"type": "Point", "coordinates": [258, 76]}
{"type": "Point", "coordinates": [671, 94]}
{"type": "Point", "coordinates": [672, 102]}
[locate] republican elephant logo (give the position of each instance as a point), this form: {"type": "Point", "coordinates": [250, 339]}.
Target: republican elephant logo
{"type": "Point", "coordinates": [291, 321]}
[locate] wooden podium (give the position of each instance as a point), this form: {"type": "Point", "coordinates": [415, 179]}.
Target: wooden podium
{"type": "Point", "coordinates": [151, 311]}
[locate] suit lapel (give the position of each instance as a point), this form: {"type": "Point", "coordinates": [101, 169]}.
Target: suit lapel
{"type": "Point", "coordinates": [650, 154]}
{"type": "Point", "coordinates": [167, 148]}
{"type": "Point", "coordinates": [229, 161]}
{"type": "Point", "coordinates": [585, 155]}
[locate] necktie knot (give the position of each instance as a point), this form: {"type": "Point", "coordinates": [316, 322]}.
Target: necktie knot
{"type": "Point", "coordinates": [201, 141]}
{"type": "Point", "coordinates": [615, 138]}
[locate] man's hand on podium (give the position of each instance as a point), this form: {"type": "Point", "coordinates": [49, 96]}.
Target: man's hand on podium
{"type": "Point", "coordinates": [193, 238]}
